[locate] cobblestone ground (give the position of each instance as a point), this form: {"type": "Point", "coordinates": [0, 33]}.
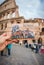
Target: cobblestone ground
{"type": "Point", "coordinates": [22, 56]}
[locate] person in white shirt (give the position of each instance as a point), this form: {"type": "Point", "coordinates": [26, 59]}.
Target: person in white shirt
{"type": "Point", "coordinates": [34, 46]}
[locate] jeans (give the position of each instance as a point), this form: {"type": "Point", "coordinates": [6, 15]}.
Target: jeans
{"type": "Point", "coordinates": [40, 46]}
{"type": "Point", "coordinates": [1, 53]}
{"type": "Point", "coordinates": [36, 49]}
{"type": "Point", "coordinates": [9, 51]}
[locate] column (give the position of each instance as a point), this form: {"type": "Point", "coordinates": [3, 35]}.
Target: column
{"type": "Point", "coordinates": [9, 15]}
{"type": "Point", "coordinates": [13, 14]}
{"type": "Point", "coordinates": [40, 27]}
{"type": "Point", "coordinates": [5, 17]}
{"type": "Point", "coordinates": [16, 13]}
{"type": "Point", "coordinates": [0, 26]}
{"type": "Point", "coordinates": [22, 21]}
{"type": "Point", "coordinates": [3, 26]}
{"type": "Point", "coordinates": [2, 17]}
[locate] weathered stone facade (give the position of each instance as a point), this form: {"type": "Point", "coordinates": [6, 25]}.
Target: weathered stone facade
{"type": "Point", "coordinates": [9, 15]}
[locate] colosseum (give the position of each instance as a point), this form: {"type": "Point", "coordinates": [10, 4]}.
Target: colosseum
{"type": "Point", "coordinates": [9, 16]}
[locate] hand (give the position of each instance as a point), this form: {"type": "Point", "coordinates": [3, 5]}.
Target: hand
{"type": "Point", "coordinates": [15, 40]}
{"type": "Point", "coordinates": [9, 41]}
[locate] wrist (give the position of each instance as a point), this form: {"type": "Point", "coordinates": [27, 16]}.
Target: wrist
{"type": "Point", "coordinates": [6, 43]}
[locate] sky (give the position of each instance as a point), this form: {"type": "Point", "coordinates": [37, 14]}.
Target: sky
{"type": "Point", "coordinates": [30, 8]}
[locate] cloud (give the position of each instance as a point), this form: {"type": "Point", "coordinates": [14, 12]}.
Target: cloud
{"type": "Point", "coordinates": [31, 8]}
{"type": "Point", "coordinates": [1, 1]}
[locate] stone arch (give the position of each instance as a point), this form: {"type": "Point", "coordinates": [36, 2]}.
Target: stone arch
{"type": "Point", "coordinates": [42, 29]}
{"type": "Point", "coordinates": [5, 25]}
{"type": "Point", "coordinates": [1, 26]}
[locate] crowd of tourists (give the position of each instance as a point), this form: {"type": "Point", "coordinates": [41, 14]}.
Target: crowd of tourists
{"type": "Point", "coordinates": [37, 46]}
{"type": "Point", "coordinates": [34, 46]}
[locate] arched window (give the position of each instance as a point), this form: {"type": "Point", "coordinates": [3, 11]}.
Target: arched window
{"type": "Point", "coordinates": [13, 15]}
{"type": "Point", "coordinates": [8, 16]}
{"type": "Point", "coordinates": [18, 22]}
{"type": "Point", "coordinates": [42, 29]}
{"type": "Point", "coordinates": [1, 26]}
{"type": "Point", "coordinates": [12, 22]}
{"type": "Point", "coordinates": [5, 25]}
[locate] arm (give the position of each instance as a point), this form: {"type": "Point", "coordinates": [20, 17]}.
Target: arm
{"type": "Point", "coordinates": [8, 41]}
{"type": "Point", "coordinates": [3, 45]}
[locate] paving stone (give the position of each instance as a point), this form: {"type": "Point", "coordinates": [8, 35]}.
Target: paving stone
{"type": "Point", "coordinates": [22, 56]}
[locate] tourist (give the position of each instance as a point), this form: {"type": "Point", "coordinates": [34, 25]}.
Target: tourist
{"type": "Point", "coordinates": [34, 46]}
{"type": "Point", "coordinates": [9, 46]}
{"type": "Point", "coordinates": [39, 43]}
{"type": "Point", "coordinates": [26, 43]}
{"type": "Point", "coordinates": [2, 53]}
